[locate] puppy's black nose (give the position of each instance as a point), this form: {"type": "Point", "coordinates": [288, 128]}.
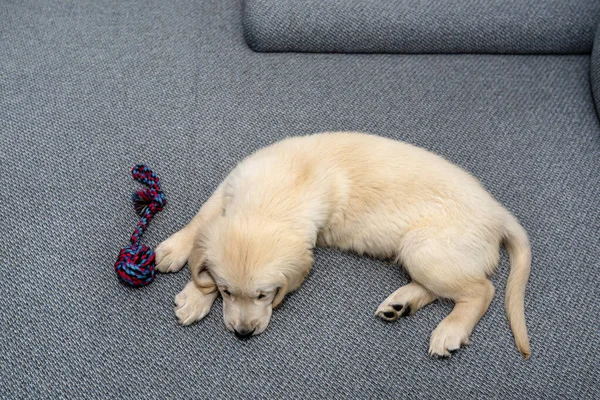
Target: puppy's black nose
{"type": "Point", "coordinates": [243, 334]}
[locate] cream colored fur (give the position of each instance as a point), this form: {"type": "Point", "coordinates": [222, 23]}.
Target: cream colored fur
{"type": "Point", "coordinates": [253, 239]}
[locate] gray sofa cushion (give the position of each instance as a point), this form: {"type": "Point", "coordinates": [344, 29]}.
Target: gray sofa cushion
{"type": "Point", "coordinates": [426, 26]}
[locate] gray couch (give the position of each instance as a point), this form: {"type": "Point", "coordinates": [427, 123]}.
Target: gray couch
{"type": "Point", "coordinates": [89, 88]}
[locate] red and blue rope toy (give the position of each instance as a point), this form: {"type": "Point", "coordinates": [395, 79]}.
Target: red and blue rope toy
{"type": "Point", "coordinates": [135, 265]}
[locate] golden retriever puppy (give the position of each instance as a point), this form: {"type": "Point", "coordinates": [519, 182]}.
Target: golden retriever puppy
{"type": "Point", "coordinates": [252, 241]}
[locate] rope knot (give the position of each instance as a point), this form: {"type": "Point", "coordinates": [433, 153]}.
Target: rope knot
{"type": "Point", "coordinates": [148, 198]}
{"type": "Point", "coordinates": [135, 265]}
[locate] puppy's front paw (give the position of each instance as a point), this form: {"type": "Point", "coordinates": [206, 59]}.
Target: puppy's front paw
{"type": "Point", "coordinates": [192, 305]}
{"type": "Point", "coordinates": [446, 339]}
{"type": "Point", "coordinates": [173, 253]}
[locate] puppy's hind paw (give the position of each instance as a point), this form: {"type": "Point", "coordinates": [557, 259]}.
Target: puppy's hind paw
{"type": "Point", "coordinates": [392, 312]}
{"type": "Point", "coordinates": [404, 302]}
{"type": "Point", "coordinates": [446, 339]}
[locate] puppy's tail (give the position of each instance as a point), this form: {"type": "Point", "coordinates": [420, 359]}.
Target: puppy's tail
{"type": "Point", "coordinates": [519, 251]}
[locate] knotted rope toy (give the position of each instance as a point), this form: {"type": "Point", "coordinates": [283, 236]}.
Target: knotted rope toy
{"type": "Point", "coordinates": [135, 265]}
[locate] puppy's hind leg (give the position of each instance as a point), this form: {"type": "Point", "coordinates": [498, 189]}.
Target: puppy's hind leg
{"type": "Point", "coordinates": [454, 330]}
{"type": "Point", "coordinates": [404, 302]}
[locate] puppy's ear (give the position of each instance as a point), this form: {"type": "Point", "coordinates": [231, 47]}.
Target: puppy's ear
{"type": "Point", "coordinates": [197, 264]}
{"type": "Point", "coordinates": [196, 260]}
{"type": "Point", "coordinates": [206, 283]}
{"type": "Point", "coordinates": [283, 290]}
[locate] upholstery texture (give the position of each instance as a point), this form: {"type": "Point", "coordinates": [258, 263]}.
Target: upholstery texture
{"type": "Point", "coordinates": [595, 70]}
{"type": "Point", "coordinates": [425, 26]}
{"type": "Point", "coordinates": [90, 88]}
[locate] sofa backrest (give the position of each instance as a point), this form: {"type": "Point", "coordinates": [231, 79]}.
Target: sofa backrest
{"type": "Point", "coordinates": [422, 26]}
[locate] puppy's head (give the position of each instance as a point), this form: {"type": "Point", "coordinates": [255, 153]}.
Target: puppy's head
{"type": "Point", "coordinates": [254, 263]}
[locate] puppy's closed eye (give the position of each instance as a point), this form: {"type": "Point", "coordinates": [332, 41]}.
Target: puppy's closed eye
{"type": "Point", "coordinates": [226, 292]}
{"type": "Point", "coordinates": [261, 296]}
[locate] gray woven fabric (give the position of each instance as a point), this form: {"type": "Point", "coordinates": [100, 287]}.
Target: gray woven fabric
{"type": "Point", "coordinates": [89, 88]}
{"type": "Point", "coordinates": [426, 26]}
{"type": "Point", "coordinates": [595, 71]}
